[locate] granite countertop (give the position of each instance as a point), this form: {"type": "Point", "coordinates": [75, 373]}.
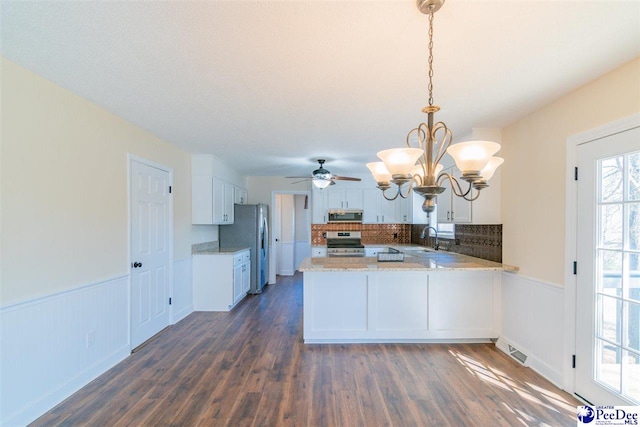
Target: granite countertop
{"type": "Point", "coordinates": [414, 260]}
{"type": "Point", "coordinates": [219, 251]}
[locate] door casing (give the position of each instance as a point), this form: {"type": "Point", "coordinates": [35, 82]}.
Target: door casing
{"type": "Point", "coordinates": [571, 233]}
{"type": "Point", "coordinates": [131, 158]}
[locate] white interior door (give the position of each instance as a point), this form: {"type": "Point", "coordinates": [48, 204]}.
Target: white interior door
{"type": "Point", "coordinates": [150, 250]}
{"type": "Point", "coordinates": [608, 270]}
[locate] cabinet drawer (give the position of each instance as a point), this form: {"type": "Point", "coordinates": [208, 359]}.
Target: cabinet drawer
{"type": "Point", "coordinates": [246, 256]}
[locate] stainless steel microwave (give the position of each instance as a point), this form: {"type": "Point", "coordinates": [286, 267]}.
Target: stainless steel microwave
{"type": "Point", "coordinates": [345, 215]}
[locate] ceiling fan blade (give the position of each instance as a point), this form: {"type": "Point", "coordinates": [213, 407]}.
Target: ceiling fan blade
{"type": "Point", "coordinates": [301, 177]}
{"type": "Point", "coordinates": [302, 180]}
{"type": "Point", "coordinates": [346, 178]}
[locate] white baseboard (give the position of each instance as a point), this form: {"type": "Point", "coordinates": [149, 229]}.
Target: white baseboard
{"type": "Point", "coordinates": [533, 323]}
{"type": "Point", "coordinates": [54, 345]}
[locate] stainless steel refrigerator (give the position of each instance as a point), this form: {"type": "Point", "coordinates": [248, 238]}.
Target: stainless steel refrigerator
{"type": "Point", "coordinates": [250, 229]}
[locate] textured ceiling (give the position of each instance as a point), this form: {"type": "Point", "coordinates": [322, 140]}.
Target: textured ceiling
{"type": "Point", "coordinates": [269, 86]}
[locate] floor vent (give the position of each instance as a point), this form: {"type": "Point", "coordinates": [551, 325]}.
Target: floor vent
{"type": "Point", "coordinates": [517, 354]}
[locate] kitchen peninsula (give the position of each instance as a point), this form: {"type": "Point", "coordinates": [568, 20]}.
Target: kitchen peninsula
{"type": "Point", "coordinates": [433, 296]}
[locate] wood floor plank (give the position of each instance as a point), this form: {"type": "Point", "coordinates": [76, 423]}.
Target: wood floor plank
{"type": "Point", "coordinates": [250, 367]}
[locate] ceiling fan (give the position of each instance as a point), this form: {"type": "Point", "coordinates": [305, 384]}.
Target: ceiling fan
{"type": "Point", "coordinates": [322, 178]}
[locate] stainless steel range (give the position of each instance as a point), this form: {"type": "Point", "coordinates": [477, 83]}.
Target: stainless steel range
{"type": "Point", "coordinates": [344, 243]}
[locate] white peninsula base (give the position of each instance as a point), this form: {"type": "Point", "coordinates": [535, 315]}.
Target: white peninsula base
{"type": "Point", "coordinates": [401, 306]}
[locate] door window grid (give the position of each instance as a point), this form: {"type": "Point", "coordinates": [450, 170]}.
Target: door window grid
{"type": "Point", "coordinates": [617, 333]}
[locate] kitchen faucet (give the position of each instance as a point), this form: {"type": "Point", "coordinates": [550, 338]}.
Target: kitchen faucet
{"type": "Point", "coordinates": [423, 234]}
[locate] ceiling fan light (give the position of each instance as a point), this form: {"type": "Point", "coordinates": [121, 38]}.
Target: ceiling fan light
{"type": "Point", "coordinates": [400, 161]}
{"type": "Point", "coordinates": [379, 172]}
{"type": "Point", "coordinates": [473, 156]}
{"type": "Point", "coordinates": [491, 167]}
{"type": "Point", "coordinates": [321, 183]}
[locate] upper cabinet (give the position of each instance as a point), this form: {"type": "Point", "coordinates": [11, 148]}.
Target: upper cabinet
{"type": "Point", "coordinates": [240, 196]}
{"type": "Point", "coordinates": [378, 210]}
{"type": "Point", "coordinates": [212, 198]}
{"type": "Point", "coordinates": [318, 206]}
{"type": "Point", "coordinates": [344, 198]}
{"type": "Point", "coordinates": [451, 208]}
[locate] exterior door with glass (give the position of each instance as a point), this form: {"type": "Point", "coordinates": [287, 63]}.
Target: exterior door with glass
{"type": "Point", "coordinates": [608, 270]}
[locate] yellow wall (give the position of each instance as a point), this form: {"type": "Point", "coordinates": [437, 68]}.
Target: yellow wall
{"type": "Point", "coordinates": [533, 174]}
{"type": "Point", "coordinates": [63, 177]}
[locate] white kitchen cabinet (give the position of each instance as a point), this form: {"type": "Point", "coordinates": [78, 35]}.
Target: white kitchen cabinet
{"type": "Point", "coordinates": [211, 200]}
{"type": "Point", "coordinates": [220, 281]}
{"type": "Point", "coordinates": [241, 276]}
{"type": "Point", "coordinates": [401, 306]}
{"type": "Point", "coordinates": [318, 251]}
{"type": "Point", "coordinates": [377, 209]}
{"type": "Point", "coordinates": [240, 196]}
{"type": "Point", "coordinates": [344, 198]}
{"type": "Point", "coordinates": [318, 206]}
{"type": "Point", "coordinates": [451, 208]}
{"type": "Point", "coordinates": [374, 250]}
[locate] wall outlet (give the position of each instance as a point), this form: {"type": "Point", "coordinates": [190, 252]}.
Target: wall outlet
{"type": "Point", "coordinates": [90, 339]}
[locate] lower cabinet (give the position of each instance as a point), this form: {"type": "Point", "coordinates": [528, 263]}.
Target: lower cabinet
{"type": "Point", "coordinates": [401, 306]}
{"type": "Point", "coordinates": [319, 251]}
{"type": "Point", "coordinates": [220, 281]}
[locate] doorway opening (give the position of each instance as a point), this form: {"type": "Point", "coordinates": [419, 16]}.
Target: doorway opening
{"type": "Point", "coordinates": [291, 236]}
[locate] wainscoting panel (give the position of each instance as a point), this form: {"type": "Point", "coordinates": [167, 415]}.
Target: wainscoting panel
{"type": "Point", "coordinates": [182, 294]}
{"type": "Point", "coordinates": [302, 250]}
{"type": "Point", "coordinates": [532, 323]}
{"type": "Point", "coordinates": [53, 346]}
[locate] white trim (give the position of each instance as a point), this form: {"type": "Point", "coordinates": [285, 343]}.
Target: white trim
{"type": "Point", "coordinates": [532, 316]}
{"type": "Point", "coordinates": [273, 265]}
{"type": "Point", "coordinates": [43, 298]}
{"type": "Point", "coordinates": [571, 232]}
{"type": "Point", "coordinates": [544, 283]}
{"type": "Point", "coordinates": [169, 170]}
{"type": "Point", "coordinates": [47, 353]}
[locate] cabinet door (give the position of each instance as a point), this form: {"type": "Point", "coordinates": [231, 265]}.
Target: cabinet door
{"type": "Point", "coordinates": [201, 199]}
{"type": "Point", "coordinates": [218, 201]}
{"type": "Point", "coordinates": [246, 277]}
{"type": "Point", "coordinates": [353, 199]}
{"type": "Point", "coordinates": [444, 200]}
{"type": "Point", "coordinates": [403, 210]}
{"type": "Point", "coordinates": [370, 214]}
{"type": "Point", "coordinates": [335, 199]}
{"type": "Point", "coordinates": [319, 251]}
{"type": "Point", "coordinates": [318, 206]}
{"type": "Point", "coordinates": [460, 209]}
{"type": "Point", "coordinates": [229, 199]}
{"type": "Point", "coordinates": [237, 283]}
{"type": "Point", "coordinates": [387, 210]}
{"type": "Point", "coordinates": [240, 196]}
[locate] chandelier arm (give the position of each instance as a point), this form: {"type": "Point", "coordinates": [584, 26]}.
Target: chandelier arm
{"type": "Point", "coordinates": [446, 140]}
{"type": "Point", "coordinates": [455, 186]}
{"type": "Point", "coordinates": [384, 194]}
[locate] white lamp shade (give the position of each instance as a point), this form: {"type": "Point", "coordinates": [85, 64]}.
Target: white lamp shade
{"type": "Point", "coordinates": [321, 183]}
{"type": "Point", "coordinates": [491, 167]}
{"type": "Point", "coordinates": [379, 172]}
{"type": "Point", "coordinates": [473, 155]}
{"type": "Point", "coordinates": [400, 161]}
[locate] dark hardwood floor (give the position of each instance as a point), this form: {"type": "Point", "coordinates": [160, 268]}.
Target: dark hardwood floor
{"type": "Point", "coordinates": [251, 368]}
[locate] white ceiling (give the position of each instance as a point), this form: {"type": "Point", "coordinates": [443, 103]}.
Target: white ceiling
{"type": "Point", "coordinates": [270, 86]}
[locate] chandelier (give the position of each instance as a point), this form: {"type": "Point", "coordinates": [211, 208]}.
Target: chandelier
{"type": "Point", "coordinates": [420, 167]}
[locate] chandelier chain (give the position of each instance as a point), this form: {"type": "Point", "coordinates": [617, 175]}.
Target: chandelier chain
{"type": "Point", "coordinates": [431, 56]}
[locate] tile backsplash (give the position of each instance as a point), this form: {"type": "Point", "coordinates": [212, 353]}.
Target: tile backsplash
{"type": "Point", "coordinates": [480, 241]}
{"type": "Point", "coordinates": [385, 234]}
